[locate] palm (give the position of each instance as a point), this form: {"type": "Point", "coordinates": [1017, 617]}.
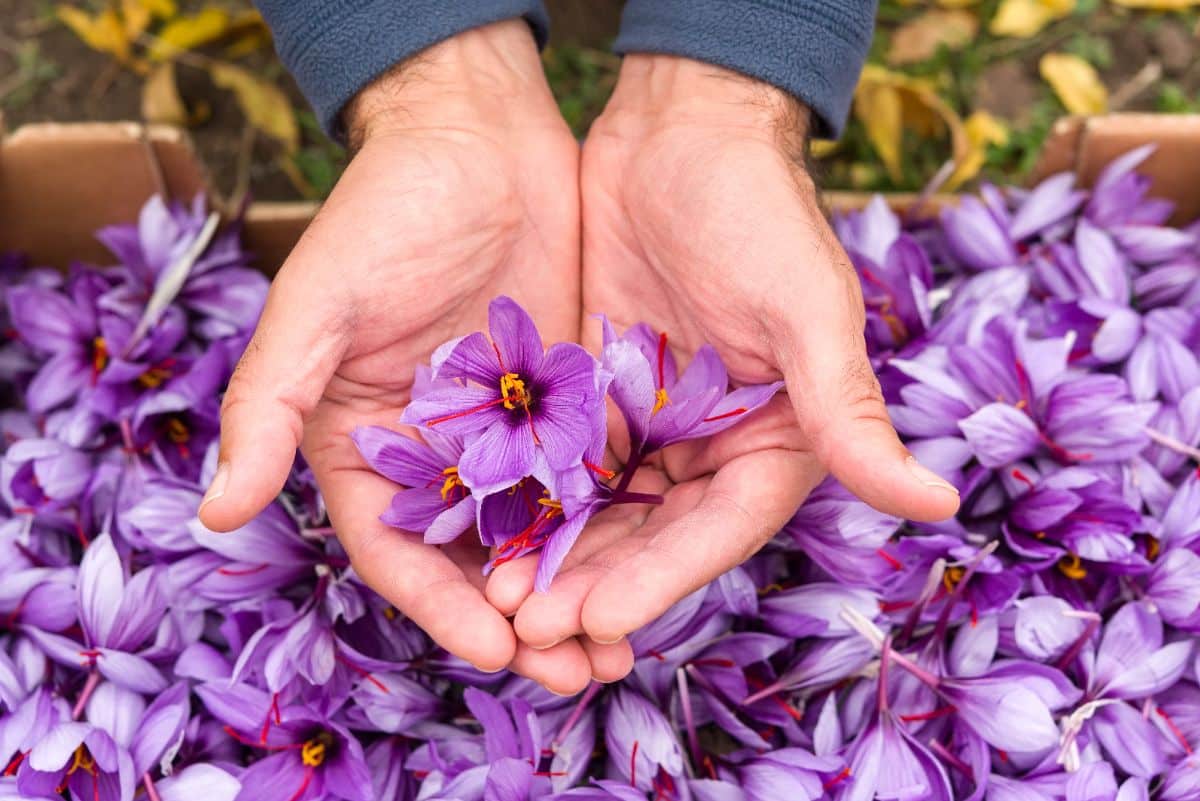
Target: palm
{"type": "Point", "coordinates": [659, 227]}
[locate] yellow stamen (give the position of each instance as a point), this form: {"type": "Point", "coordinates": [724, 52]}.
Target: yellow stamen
{"type": "Point", "coordinates": [312, 753]}
{"type": "Point", "coordinates": [951, 577]}
{"type": "Point", "coordinates": [1153, 547]}
{"type": "Point", "coordinates": [154, 377]}
{"type": "Point", "coordinates": [1039, 535]}
{"type": "Point", "coordinates": [389, 612]}
{"type": "Point", "coordinates": [660, 400]}
{"type": "Point", "coordinates": [177, 431]}
{"type": "Point", "coordinates": [512, 388]}
{"type": "Point", "coordinates": [452, 481]}
{"type": "Point", "coordinates": [99, 355]}
{"type": "Point", "coordinates": [83, 761]}
{"type": "Point", "coordinates": [1072, 567]}
{"type": "Point", "coordinates": [553, 508]}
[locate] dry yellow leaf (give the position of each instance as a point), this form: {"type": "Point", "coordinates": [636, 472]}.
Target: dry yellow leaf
{"type": "Point", "coordinates": [162, 9]}
{"type": "Point", "coordinates": [103, 32]}
{"type": "Point", "coordinates": [982, 129]}
{"type": "Point", "coordinates": [186, 33]}
{"type": "Point", "coordinates": [1075, 82]}
{"type": "Point", "coordinates": [957, 3]}
{"type": "Point", "coordinates": [1024, 18]}
{"type": "Point", "coordinates": [136, 18]}
{"type": "Point", "coordinates": [887, 103]}
{"type": "Point", "coordinates": [248, 32]}
{"type": "Point", "coordinates": [1158, 5]}
{"type": "Point", "coordinates": [265, 106]}
{"type": "Point", "coordinates": [821, 148]}
{"type": "Point", "coordinates": [160, 97]}
{"type": "Point", "coordinates": [920, 37]}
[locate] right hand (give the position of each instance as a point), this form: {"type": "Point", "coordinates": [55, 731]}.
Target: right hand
{"type": "Point", "coordinates": [464, 187]}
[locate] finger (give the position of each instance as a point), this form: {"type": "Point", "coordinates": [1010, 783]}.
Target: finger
{"type": "Point", "coordinates": [563, 669]}
{"type": "Point", "coordinates": [745, 504]}
{"type": "Point", "coordinates": [510, 584]}
{"type": "Point", "coordinates": [420, 580]}
{"type": "Point", "coordinates": [277, 383]}
{"type": "Point", "coordinates": [610, 662]}
{"type": "Point", "coordinates": [823, 356]}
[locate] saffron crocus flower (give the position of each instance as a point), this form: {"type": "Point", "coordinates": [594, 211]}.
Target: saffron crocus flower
{"type": "Point", "coordinates": [642, 747]}
{"type": "Point", "coordinates": [435, 502]}
{"type": "Point", "coordinates": [662, 406]}
{"type": "Point", "coordinates": [80, 757]}
{"type": "Point", "coordinates": [517, 399]}
{"type": "Point", "coordinates": [306, 754]}
{"type": "Point", "coordinates": [177, 424]}
{"type": "Point", "coordinates": [117, 613]}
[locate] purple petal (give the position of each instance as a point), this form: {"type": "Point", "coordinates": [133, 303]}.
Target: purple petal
{"type": "Point", "coordinates": [556, 549]}
{"type": "Point", "coordinates": [515, 337]}
{"type": "Point", "coordinates": [452, 522]}
{"type": "Point", "coordinates": [1050, 201]}
{"type": "Point", "coordinates": [472, 358]}
{"type": "Point", "coordinates": [734, 408]}
{"type": "Point", "coordinates": [199, 781]}
{"type": "Point", "coordinates": [398, 458]}
{"type": "Point", "coordinates": [414, 510]}
{"type": "Point", "coordinates": [1000, 434]}
{"type": "Point", "coordinates": [499, 458]}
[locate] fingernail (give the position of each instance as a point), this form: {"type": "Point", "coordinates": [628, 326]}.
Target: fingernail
{"type": "Point", "coordinates": [548, 646]}
{"type": "Point", "coordinates": [927, 476]}
{"type": "Point", "coordinates": [608, 642]}
{"type": "Point", "coordinates": [489, 672]}
{"type": "Point", "coordinates": [217, 488]}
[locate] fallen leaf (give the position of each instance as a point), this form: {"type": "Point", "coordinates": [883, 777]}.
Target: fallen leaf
{"type": "Point", "coordinates": [160, 97]}
{"type": "Point", "coordinates": [161, 9]}
{"type": "Point", "coordinates": [136, 18]}
{"type": "Point", "coordinates": [887, 103]}
{"type": "Point", "coordinates": [956, 3]}
{"type": "Point", "coordinates": [1158, 5]}
{"type": "Point", "coordinates": [821, 148]}
{"type": "Point", "coordinates": [188, 33]}
{"type": "Point", "coordinates": [1024, 18]}
{"type": "Point", "coordinates": [1075, 82]}
{"type": "Point", "coordinates": [248, 32]}
{"type": "Point", "coordinates": [103, 32]}
{"type": "Point", "coordinates": [982, 130]}
{"type": "Point", "coordinates": [920, 37]}
{"type": "Point", "coordinates": [265, 106]}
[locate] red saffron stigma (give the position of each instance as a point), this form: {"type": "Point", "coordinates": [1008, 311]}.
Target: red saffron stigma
{"type": "Point", "coordinates": [1024, 479]}
{"type": "Point", "coordinates": [455, 415]}
{"type": "Point", "coordinates": [14, 764]}
{"type": "Point", "coordinates": [1178, 732]}
{"type": "Point", "coordinates": [597, 469]}
{"type": "Point", "coordinates": [836, 780]}
{"type": "Point", "coordinates": [363, 672]}
{"type": "Point", "coordinates": [242, 571]}
{"type": "Point", "coordinates": [940, 712]}
{"type": "Point", "coordinates": [308, 775]}
{"type": "Point", "coordinates": [891, 560]}
{"type": "Point", "coordinates": [662, 356]}
{"type": "Point", "coordinates": [633, 765]}
{"type": "Point", "coordinates": [734, 413]}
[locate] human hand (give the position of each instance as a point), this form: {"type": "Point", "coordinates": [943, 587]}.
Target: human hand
{"type": "Point", "coordinates": [463, 188]}
{"type": "Point", "coordinates": [699, 218]}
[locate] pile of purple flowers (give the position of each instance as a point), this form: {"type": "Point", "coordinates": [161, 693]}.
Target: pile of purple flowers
{"type": "Point", "coordinates": [1037, 348]}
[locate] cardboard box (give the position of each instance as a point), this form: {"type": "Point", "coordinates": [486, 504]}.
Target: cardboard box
{"type": "Point", "coordinates": [60, 182]}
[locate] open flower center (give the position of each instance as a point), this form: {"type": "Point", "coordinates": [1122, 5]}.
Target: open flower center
{"type": "Point", "coordinates": [315, 749]}
{"type": "Point", "coordinates": [512, 390]}
{"type": "Point", "coordinates": [99, 356]}
{"type": "Point", "coordinates": [952, 576]}
{"type": "Point", "coordinates": [1072, 567]}
{"type": "Point", "coordinates": [452, 486]}
{"type": "Point", "coordinates": [154, 377]}
{"type": "Point", "coordinates": [177, 431]}
{"type": "Point", "coordinates": [82, 761]}
{"type": "Point", "coordinates": [660, 400]}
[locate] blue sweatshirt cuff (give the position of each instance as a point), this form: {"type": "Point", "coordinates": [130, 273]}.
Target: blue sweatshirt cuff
{"type": "Point", "coordinates": [812, 49]}
{"type": "Point", "coordinates": [333, 48]}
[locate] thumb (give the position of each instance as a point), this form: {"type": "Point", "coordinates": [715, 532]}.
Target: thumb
{"type": "Point", "coordinates": [822, 353]}
{"type": "Point", "coordinates": [276, 385]}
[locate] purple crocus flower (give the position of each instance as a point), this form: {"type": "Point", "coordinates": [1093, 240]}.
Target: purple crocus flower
{"type": "Point", "coordinates": [435, 501]}
{"type": "Point", "coordinates": [521, 400]}
{"type": "Point", "coordinates": [80, 757]}
{"type": "Point", "coordinates": [177, 424]}
{"type": "Point", "coordinates": [117, 613]}
{"type": "Point", "coordinates": [642, 747]}
{"type": "Point", "coordinates": [662, 406]}
{"type": "Point", "coordinates": [308, 754]}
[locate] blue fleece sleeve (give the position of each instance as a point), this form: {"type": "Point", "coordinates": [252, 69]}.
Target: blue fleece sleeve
{"type": "Point", "coordinates": [813, 49]}
{"type": "Point", "coordinates": [335, 47]}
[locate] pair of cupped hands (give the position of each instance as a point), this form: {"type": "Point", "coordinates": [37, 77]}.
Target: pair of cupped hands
{"type": "Point", "coordinates": [687, 207]}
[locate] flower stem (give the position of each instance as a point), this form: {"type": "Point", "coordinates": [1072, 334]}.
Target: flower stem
{"type": "Point", "coordinates": [588, 694]}
{"type": "Point", "coordinates": [89, 687]}
{"type": "Point", "coordinates": [637, 497]}
{"type": "Point", "coordinates": [635, 461]}
{"type": "Point", "coordinates": [920, 673]}
{"type": "Point", "coordinates": [685, 703]}
{"type": "Point", "coordinates": [1171, 443]}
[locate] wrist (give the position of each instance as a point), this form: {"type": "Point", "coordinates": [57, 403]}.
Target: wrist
{"type": "Point", "coordinates": [658, 90]}
{"type": "Point", "coordinates": [484, 77]}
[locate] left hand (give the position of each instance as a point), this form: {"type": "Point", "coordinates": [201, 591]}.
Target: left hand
{"type": "Point", "coordinates": [700, 219]}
